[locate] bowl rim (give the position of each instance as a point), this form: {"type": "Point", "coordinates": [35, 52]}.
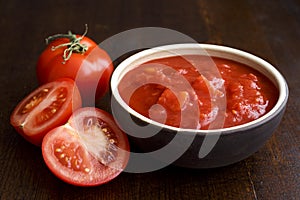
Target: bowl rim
{"type": "Point", "coordinates": [281, 84]}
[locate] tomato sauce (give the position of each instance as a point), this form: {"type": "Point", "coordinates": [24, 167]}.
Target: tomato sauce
{"type": "Point", "coordinates": [164, 89]}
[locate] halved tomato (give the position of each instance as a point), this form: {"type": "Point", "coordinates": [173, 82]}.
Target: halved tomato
{"type": "Point", "coordinates": [45, 108]}
{"type": "Point", "coordinates": [89, 150]}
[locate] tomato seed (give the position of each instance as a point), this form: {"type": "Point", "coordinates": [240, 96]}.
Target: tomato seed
{"type": "Point", "coordinates": [62, 100]}
{"type": "Point", "coordinates": [112, 141]}
{"type": "Point", "coordinates": [105, 130]}
{"type": "Point", "coordinates": [76, 163]}
{"type": "Point", "coordinates": [87, 170]}
{"type": "Point", "coordinates": [34, 101]}
{"type": "Point", "coordinates": [61, 96]}
{"type": "Point", "coordinates": [67, 159]}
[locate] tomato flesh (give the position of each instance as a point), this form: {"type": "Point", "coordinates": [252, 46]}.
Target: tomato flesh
{"type": "Point", "coordinates": [71, 155]}
{"type": "Point", "coordinates": [47, 107]}
{"type": "Point", "coordinates": [89, 150]}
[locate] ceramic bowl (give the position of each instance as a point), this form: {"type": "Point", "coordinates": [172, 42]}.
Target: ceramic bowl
{"type": "Point", "coordinates": [196, 148]}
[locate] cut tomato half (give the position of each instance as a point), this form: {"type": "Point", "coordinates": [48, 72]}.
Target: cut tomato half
{"type": "Point", "coordinates": [89, 150]}
{"type": "Point", "coordinates": [45, 108]}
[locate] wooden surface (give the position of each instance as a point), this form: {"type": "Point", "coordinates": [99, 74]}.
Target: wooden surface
{"type": "Point", "coordinates": [269, 29]}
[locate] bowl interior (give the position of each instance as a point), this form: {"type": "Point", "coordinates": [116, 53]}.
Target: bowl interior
{"type": "Point", "coordinates": [202, 49]}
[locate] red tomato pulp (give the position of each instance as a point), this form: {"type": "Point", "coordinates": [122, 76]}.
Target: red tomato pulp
{"type": "Point", "coordinates": [89, 150]}
{"type": "Point", "coordinates": [45, 108]}
{"type": "Point", "coordinates": [249, 93]}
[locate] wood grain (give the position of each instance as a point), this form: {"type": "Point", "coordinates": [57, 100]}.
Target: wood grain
{"type": "Point", "coordinates": [269, 29]}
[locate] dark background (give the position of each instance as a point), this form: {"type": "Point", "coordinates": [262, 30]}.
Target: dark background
{"type": "Point", "coordinates": [269, 29]}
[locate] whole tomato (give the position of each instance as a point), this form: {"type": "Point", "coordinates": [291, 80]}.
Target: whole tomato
{"type": "Point", "coordinates": [79, 58]}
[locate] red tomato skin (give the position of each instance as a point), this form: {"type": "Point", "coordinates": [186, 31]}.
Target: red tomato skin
{"type": "Point", "coordinates": [101, 174]}
{"type": "Point", "coordinates": [35, 135]}
{"type": "Point", "coordinates": [91, 70]}
{"type": "Point", "coordinates": [54, 168]}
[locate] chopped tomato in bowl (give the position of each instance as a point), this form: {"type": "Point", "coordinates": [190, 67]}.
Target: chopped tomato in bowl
{"type": "Point", "coordinates": [240, 99]}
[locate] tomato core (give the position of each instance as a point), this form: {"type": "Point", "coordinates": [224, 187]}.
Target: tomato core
{"type": "Point", "coordinates": [60, 95]}
{"type": "Point", "coordinates": [97, 132]}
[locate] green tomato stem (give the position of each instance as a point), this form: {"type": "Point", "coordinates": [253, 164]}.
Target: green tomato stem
{"type": "Point", "coordinates": [73, 46]}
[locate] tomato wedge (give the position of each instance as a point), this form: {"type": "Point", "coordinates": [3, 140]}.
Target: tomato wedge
{"type": "Point", "coordinates": [89, 150]}
{"type": "Point", "coordinates": [45, 108]}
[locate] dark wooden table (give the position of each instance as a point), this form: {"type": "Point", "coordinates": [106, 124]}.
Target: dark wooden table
{"type": "Point", "coordinates": [269, 29]}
